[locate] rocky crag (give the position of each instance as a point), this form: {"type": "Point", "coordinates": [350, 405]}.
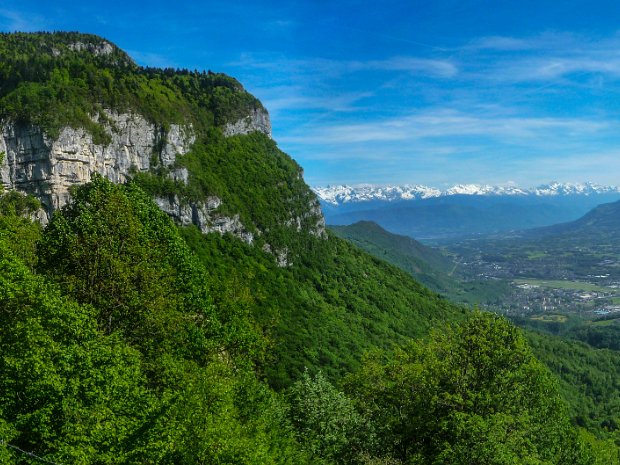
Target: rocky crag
{"type": "Point", "coordinates": [45, 167]}
{"type": "Point", "coordinates": [90, 109]}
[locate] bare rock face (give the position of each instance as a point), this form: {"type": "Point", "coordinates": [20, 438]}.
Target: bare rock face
{"type": "Point", "coordinates": [319, 228]}
{"type": "Point", "coordinates": [103, 48]}
{"type": "Point", "coordinates": [257, 120]}
{"type": "Point", "coordinates": [312, 220]}
{"type": "Point", "coordinates": [35, 164]}
{"type": "Point", "coordinates": [204, 216]}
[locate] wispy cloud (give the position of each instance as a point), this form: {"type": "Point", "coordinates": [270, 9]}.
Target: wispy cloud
{"type": "Point", "coordinates": [543, 58]}
{"type": "Point", "coordinates": [499, 43]}
{"type": "Point", "coordinates": [321, 66]}
{"type": "Point", "coordinates": [291, 99]}
{"type": "Point", "coordinates": [446, 123]}
{"type": "Point", "coordinates": [14, 21]}
{"type": "Point", "coordinates": [279, 25]}
{"type": "Point", "coordinates": [432, 67]}
{"type": "Point", "coordinates": [152, 59]}
{"type": "Point", "coordinates": [555, 67]}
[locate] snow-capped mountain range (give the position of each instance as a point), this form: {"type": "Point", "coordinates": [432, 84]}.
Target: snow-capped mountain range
{"type": "Point", "coordinates": [338, 195]}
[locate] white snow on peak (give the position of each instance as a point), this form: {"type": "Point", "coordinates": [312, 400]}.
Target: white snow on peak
{"type": "Point", "coordinates": [337, 195]}
{"type": "Point", "coordinates": [587, 188]}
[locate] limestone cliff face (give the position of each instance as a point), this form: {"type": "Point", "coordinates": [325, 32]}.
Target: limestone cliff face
{"type": "Point", "coordinates": [257, 120]}
{"type": "Point", "coordinates": [272, 203]}
{"type": "Point", "coordinates": [102, 48]}
{"type": "Point", "coordinates": [46, 168]}
{"type": "Point", "coordinates": [34, 163]}
{"type": "Point", "coordinates": [203, 216]}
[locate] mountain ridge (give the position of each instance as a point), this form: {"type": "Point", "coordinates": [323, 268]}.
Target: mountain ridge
{"type": "Point", "coordinates": [603, 219]}
{"type": "Point", "coordinates": [72, 105]}
{"type": "Point", "coordinates": [343, 194]}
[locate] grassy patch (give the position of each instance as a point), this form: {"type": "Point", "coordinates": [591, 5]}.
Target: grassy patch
{"type": "Point", "coordinates": [535, 255]}
{"type": "Point", "coordinates": [555, 318]}
{"type": "Point", "coordinates": [559, 284]}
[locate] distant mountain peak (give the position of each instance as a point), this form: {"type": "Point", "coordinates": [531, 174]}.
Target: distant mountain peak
{"type": "Point", "coordinates": [342, 194]}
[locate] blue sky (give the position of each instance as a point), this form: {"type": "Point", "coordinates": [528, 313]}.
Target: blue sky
{"type": "Point", "coordinates": [421, 92]}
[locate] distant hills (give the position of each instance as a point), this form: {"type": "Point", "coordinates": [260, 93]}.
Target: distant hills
{"type": "Point", "coordinates": [462, 211]}
{"type": "Point", "coordinates": [601, 220]}
{"type": "Point", "coordinates": [587, 248]}
{"type": "Point", "coordinates": [426, 264]}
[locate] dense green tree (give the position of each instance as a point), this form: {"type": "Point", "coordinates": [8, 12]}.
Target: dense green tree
{"type": "Point", "coordinates": [16, 227]}
{"type": "Point", "coordinates": [589, 380]}
{"type": "Point", "coordinates": [68, 392]}
{"type": "Point", "coordinates": [326, 420]}
{"type": "Point", "coordinates": [113, 248]}
{"type": "Point", "coordinates": [159, 385]}
{"type": "Point", "coordinates": [471, 394]}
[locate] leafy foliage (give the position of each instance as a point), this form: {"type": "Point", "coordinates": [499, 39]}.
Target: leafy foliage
{"type": "Point", "coordinates": [589, 380]}
{"type": "Point", "coordinates": [326, 420]}
{"type": "Point", "coordinates": [19, 232]}
{"type": "Point", "coordinates": [472, 394]}
{"type": "Point", "coordinates": [59, 376]}
{"type": "Point", "coordinates": [112, 247]}
{"type": "Point", "coordinates": [170, 380]}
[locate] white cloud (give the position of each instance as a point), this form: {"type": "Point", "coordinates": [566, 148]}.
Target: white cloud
{"type": "Point", "coordinates": [293, 98]}
{"type": "Point", "coordinates": [547, 57]}
{"type": "Point", "coordinates": [500, 43]}
{"type": "Point", "coordinates": [437, 68]}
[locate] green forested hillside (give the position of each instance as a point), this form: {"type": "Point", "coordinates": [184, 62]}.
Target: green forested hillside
{"type": "Point", "coordinates": [127, 339]}
{"type": "Point", "coordinates": [425, 264]}
{"type": "Point", "coordinates": [119, 346]}
{"type": "Point", "coordinates": [589, 378]}
{"type": "Point", "coordinates": [113, 350]}
{"type": "Point", "coordinates": [327, 309]}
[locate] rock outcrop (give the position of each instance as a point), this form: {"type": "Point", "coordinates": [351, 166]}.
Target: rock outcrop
{"type": "Point", "coordinates": [46, 168]}
{"type": "Point", "coordinates": [204, 216]}
{"type": "Point", "coordinates": [257, 120]}
{"type": "Point", "coordinates": [36, 164]}
{"type": "Point", "coordinates": [97, 49]}
{"type": "Point", "coordinates": [312, 220]}
{"type": "Point", "coordinates": [33, 163]}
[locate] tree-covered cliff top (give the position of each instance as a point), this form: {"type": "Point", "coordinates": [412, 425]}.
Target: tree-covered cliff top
{"type": "Point", "coordinates": [58, 80]}
{"type": "Point", "coordinates": [67, 78]}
